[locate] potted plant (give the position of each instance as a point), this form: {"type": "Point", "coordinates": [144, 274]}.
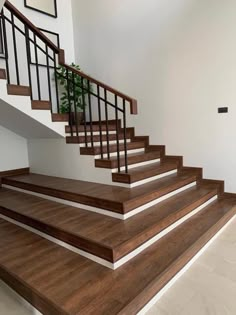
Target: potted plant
{"type": "Point", "coordinates": [72, 94]}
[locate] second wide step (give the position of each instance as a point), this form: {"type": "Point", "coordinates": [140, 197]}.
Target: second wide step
{"type": "Point", "coordinates": [103, 236]}
{"type": "Point", "coordinates": [113, 199]}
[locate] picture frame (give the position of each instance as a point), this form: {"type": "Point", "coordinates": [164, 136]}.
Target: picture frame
{"type": "Point", "coordinates": [48, 7]}
{"type": "Point", "coordinates": [54, 38]}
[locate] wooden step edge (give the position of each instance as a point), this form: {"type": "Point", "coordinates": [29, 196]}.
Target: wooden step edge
{"type": "Point", "coordinates": [173, 158]}
{"type": "Point", "coordinates": [95, 128]}
{"type": "Point", "coordinates": [141, 138]}
{"type": "Point", "coordinates": [111, 206]}
{"type": "Point", "coordinates": [39, 301]}
{"type": "Point", "coordinates": [125, 248]}
{"type": "Point", "coordinates": [127, 178]}
{"type": "Point", "coordinates": [41, 105]}
{"type": "Point", "coordinates": [110, 122]}
{"type": "Point", "coordinates": [113, 148]}
{"type": "Point", "coordinates": [197, 170]}
{"type": "Point", "coordinates": [132, 204]}
{"type": "Point", "coordinates": [160, 282]}
{"type": "Point", "coordinates": [226, 195]}
{"type": "Point", "coordinates": [20, 90]}
{"type": "Point", "coordinates": [219, 183]}
{"type": "Point", "coordinates": [161, 148]}
{"type": "Point", "coordinates": [60, 117]}
{"type": "Point", "coordinates": [3, 75]}
{"type": "Point", "coordinates": [96, 138]}
{"type": "Point", "coordinates": [112, 164]}
{"type": "Point", "coordinates": [87, 245]}
{"type": "Point", "coordinates": [15, 172]}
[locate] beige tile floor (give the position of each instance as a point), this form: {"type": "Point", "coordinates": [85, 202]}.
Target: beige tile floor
{"type": "Point", "coordinates": [207, 288]}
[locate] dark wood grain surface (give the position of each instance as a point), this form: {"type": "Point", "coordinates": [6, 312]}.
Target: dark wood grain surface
{"type": "Point", "coordinates": [103, 236]}
{"type": "Point", "coordinates": [144, 172]}
{"type": "Point", "coordinates": [21, 90]}
{"type": "Point", "coordinates": [112, 198]}
{"type": "Point", "coordinates": [58, 281]}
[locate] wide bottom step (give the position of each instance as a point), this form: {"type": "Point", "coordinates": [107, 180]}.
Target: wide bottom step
{"type": "Point", "coordinates": [59, 282]}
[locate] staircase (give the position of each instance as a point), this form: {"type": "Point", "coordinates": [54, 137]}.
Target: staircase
{"type": "Point", "coordinates": [72, 247]}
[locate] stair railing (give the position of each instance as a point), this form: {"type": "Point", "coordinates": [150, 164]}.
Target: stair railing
{"type": "Point", "coordinates": [26, 47]}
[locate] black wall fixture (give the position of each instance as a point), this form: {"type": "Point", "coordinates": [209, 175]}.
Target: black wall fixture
{"type": "Point", "coordinates": [48, 7]}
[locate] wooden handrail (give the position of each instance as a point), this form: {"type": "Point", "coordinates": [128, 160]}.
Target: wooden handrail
{"type": "Point", "coordinates": [132, 101]}
{"type": "Point", "coordinates": [31, 26]}
{"type": "Point", "coordinates": [61, 58]}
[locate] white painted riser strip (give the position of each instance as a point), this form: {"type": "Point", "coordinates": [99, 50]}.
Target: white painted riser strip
{"type": "Point", "coordinates": [99, 210]}
{"type": "Point", "coordinates": [165, 289]}
{"type": "Point", "coordinates": [126, 258]}
{"type": "Point", "coordinates": [146, 180]}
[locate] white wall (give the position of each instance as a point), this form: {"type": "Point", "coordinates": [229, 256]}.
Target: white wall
{"type": "Point", "coordinates": [63, 24]}
{"type": "Point", "coordinates": [14, 151]}
{"type": "Point", "coordinates": [56, 158]}
{"type": "Point", "coordinates": [178, 58]}
{"type": "Point", "coordinates": [1, 3]}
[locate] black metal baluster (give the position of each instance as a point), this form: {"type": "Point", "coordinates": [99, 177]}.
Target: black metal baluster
{"type": "Point", "coordinates": [48, 74]}
{"type": "Point", "coordinates": [84, 111]}
{"type": "Point", "coordinates": [37, 67]}
{"type": "Point", "coordinates": [107, 125]}
{"type": "Point", "coordinates": [5, 46]}
{"type": "Point", "coordinates": [56, 83]}
{"type": "Point", "coordinates": [15, 49]}
{"type": "Point", "coordinates": [75, 105]}
{"type": "Point", "coordinates": [117, 133]}
{"type": "Point", "coordinates": [69, 102]}
{"type": "Point", "coordinates": [100, 122]}
{"type": "Point", "coordinates": [27, 43]}
{"type": "Point", "coordinates": [90, 112]}
{"type": "Point", "coordinates": [125, 139]}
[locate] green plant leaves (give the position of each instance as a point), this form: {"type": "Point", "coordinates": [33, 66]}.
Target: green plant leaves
{"type": "Point", "coordinates": [74, 89]}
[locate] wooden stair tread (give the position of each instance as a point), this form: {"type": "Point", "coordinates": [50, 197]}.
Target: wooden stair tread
{"type": "Point", "coordinates": [21, 90]}
{"type": "Point", "coordinates": [3, 75]}
{"type": "Point", "coordinates": [144, 172]}
{"type": "Point", "coordinates": [41, 105]}
{"type": "Point", "coordinates": [100, 235]}
{"type": "Point", "coordinates": [60, 117]}
{"type": "Point", "coordinates": [96, 138]}
{"type": "Point", "coordinates": [96, 150]}
{"type": "Point", "coordinates": [113, 198]}
{"type": "Point", "coordinates": [95, 128]}
{"type": "Point", "coordinates": [132, 158]}
{"type": "Point", "coordinates": [62, 282]}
